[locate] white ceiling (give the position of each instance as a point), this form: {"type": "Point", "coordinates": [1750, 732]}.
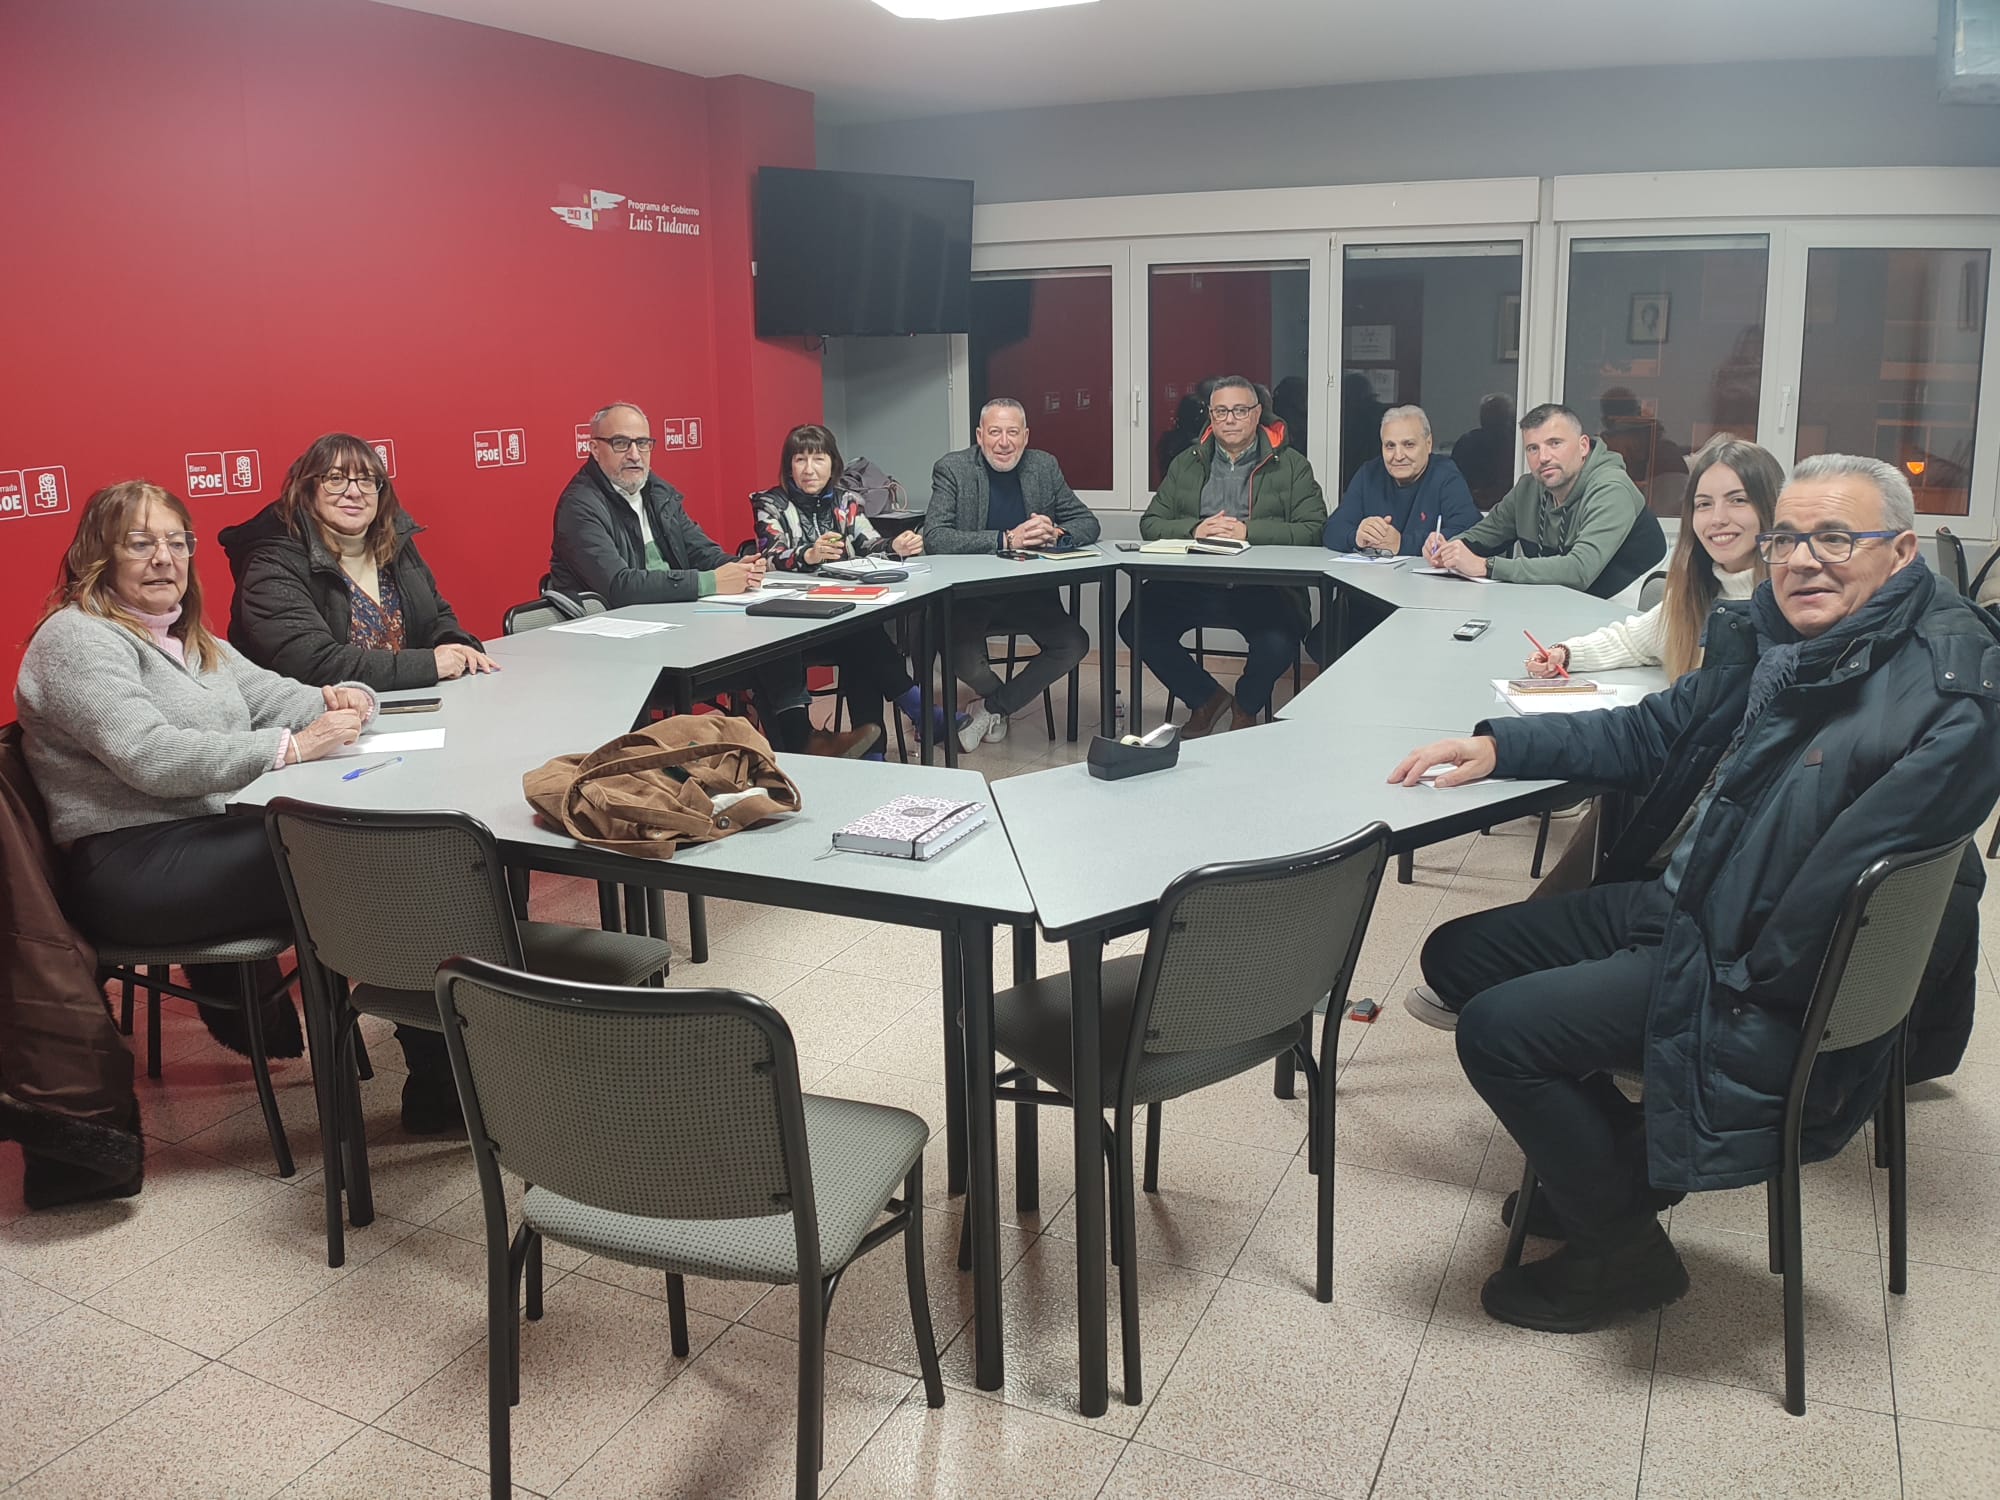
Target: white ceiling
{"type": "Point", "coordinates": [864, 64]}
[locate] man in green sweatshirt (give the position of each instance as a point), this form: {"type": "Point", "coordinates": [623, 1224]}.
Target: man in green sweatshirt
{"type": "Point", "coordinates": [1577, 516]}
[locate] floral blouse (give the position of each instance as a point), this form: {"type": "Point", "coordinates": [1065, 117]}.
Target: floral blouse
{"type": "Point", "coordinates": [786, 530]}
{"type": "Point", "coordinates": [375, 626]}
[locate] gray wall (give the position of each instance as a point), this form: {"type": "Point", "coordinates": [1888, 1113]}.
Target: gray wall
{"type": "Point", "coordinates": [888, 399]}
{"type": "Point", "coordinates": [1808, 114]}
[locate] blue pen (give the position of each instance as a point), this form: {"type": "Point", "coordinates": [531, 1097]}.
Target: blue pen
{"type": "Point", "coordinates": [360, 771]}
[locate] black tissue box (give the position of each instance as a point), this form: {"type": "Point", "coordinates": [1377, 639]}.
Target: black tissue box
{"type": "Point", "coordinates": [1113, 760]}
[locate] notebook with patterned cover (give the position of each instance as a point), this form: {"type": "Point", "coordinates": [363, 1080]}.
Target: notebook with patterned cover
{"type": "Point", "coordinates": [911, 827]}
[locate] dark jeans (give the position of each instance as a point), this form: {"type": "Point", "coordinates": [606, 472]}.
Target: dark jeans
{"type": "Point", "coordinates": [1259, 615]}
{"type": "Point", "coordinates": [872, 672]}
{"type": "Point", "coordinates": [1060, 644]}
{"type": "Point", "coordinates": [1552, 996]}
{"type": "Point", "coordinates": [195, 880]}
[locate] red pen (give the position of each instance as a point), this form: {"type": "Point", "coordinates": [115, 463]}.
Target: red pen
{"type": "Point", "coordinates": [1545, 654]}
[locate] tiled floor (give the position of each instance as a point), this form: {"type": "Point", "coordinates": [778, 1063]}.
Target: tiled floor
{"type": "Point", "coordinates": [192, 1342]}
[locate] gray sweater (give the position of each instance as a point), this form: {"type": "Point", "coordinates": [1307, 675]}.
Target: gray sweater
{"type": "Point", "coordinates": [118, 733]}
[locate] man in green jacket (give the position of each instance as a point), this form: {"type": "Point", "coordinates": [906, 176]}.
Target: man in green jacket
{"type": "Point", "coordinates": [1579, 519]}
{"type": "Point", "coordinates": [1241, 482]}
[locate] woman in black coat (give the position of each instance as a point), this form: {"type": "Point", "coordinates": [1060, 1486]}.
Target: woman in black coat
{"type": "Point", "coordinates": [330, 586]}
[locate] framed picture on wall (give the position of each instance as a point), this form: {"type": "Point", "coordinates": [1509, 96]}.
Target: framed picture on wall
{"type": "Point", "coordinates": [1649, 318]}
{"type": "Point", "coordinates": [1507, 342]}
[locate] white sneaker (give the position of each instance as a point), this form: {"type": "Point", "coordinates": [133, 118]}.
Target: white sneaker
{"type": "Point", "coordinates": [1423, 1003]}
{"type": "Point", "coordinates": [997, 730]}
{"type": "Point", "coordinates": [980, 725]}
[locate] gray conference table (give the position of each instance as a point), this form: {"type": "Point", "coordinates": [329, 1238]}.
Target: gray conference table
{"type": "Point", "coordinates": [1411, 670]}
{"type": "Point", "coordinates": [545, 703]}
{"type": "Point", "coordinates": [1098, 855]}
{"type": "Point", "coordinates": [1085, 858]}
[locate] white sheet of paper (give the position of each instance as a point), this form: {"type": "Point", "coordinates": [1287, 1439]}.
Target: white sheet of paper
{"type": "Point", "coordinates": [395, 743]}
{"type": "Point", "coordinates": [1447, 573]}
{"type": "Point", "coordinates": [1363, 557]}
{"type": "Point", "coordinates": [617, 629]}
{"type": "Point", "coordinates": [1607, 696]}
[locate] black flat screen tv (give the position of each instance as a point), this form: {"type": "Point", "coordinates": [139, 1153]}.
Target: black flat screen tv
{"type": "Point", "coordinates": [861, 253]}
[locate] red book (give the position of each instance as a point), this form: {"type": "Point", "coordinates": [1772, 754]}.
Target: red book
{"type": "Point", "coordinates": [848, 591]}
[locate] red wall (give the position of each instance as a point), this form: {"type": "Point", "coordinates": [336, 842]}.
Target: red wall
{"type": "Point", "coordinates": [240, 224]}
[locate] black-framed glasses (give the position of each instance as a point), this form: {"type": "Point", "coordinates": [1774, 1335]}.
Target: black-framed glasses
{"type": "Point", "coordinates": [1827, 546]}
{"type": "Point", "coordinates": [334, 482]}
{"type": "Point", "coordinates": [1232, 411]}
{"type": "Point", "coordinates": [623, 444]}
{"type": "Point", "coordinates": [141, 545]}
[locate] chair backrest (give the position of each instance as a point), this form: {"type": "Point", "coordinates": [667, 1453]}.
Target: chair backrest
{"type": "Point", "coordinates": [673, 1104]}
{"type": "Point", "coordinates": [1875, 960]}
{"type": "Point", "coordinates": [1951, 565]}
{"type": "Point", "coordinates": [1653, 590]}
{"type": "Point", "coordinates": [1237, 951]}
{"type": "Point", "coordinates": [532, 615]}
{"type": "Point", "coordinates": [383, 898]}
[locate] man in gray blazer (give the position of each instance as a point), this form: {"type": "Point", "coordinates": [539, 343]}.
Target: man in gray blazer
{"type": "Point", "coordinates": [997, 496]}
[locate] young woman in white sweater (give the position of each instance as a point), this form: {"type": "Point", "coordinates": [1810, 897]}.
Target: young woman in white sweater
{"type": "Point", "coordinates": [1731, 489]}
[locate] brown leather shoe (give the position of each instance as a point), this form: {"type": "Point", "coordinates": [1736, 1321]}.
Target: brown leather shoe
{"type": "Point", "coordinates": [850, 744]}
{"type": "Point", "coordinates": [1202, 721]}
{"type": "Point", "coordinates": [1241, 717]}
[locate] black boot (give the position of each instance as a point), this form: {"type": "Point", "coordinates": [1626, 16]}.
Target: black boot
{"type": "Point", "coordinates": [114, 1169]}
{"type": "Point", "coordinates": [430, 1096]}
{"type": "Point", "coordinates": [225, 1021]}
{"type": "Point", "coordinates": [1590, 1284]}
{"type": "Point", "coordinates": [108, 1150]}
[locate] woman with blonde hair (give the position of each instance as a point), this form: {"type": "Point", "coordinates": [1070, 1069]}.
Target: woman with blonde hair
{"type": "Point", "coordinates": [330, 586]}
{"type": "Point", "coordinates": [138, 725]}
{"type": "Point", "coordinates": [1732, 488]}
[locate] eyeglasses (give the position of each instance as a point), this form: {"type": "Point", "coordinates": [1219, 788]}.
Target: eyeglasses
{"type": "Point", "coordinates": [1827, 546]}
{"type": "Point", "coordinates": [141, 545]}
{"type": "Point", "coordinates": [625, 444]}
{"type": "Point", "coordinates": [335, 483]}
{"type": "Point", "coordinates": [1219, 412]}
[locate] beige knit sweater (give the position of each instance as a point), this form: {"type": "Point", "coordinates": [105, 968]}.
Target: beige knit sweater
{"type": "Point", "coordinates": [1641, 640]}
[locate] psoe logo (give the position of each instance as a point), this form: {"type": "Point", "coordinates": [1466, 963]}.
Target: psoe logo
{"type": "Point", "coordinates": [236, 473]}
{"type": "Point", "coordinates": [500, 448]}
{"type": "Point", "coordinates": [13, 497]}
{"type": "Point", "coordinates": [385, 449]}
{"type": "Point", "coordinates": [677, 434]}
{"type": "Point", "coordinates": [242, 472]}
{"type": "Point", "coordinates": [583, 440]}
{"type": "Point", "coordinates": [206, 475]}
{"type": "Point", "coordinates": [585, 215]}
{"type": "Point", "coordinates": [45, 490]}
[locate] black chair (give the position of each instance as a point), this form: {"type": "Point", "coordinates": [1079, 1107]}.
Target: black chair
{"type": "Point", "coordinates": [1951, 566]}
{"type": "Point", "coordinates": [146, 968]}
{"type": "Point", "coordinates": [1866, 986]}
{"type": "Point", "coordinates": [380, 899]}
{"type": "Point", "coordinates": [1238, 959]}
{"type": "Point", "coordinates": [666, 1128]}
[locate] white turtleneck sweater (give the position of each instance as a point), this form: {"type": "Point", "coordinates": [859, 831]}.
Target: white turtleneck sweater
{"type": "Point", "coordinates": [1641, 640]}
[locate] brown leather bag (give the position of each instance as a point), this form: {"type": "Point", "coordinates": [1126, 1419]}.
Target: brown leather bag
{"type": "Point", "coordinates": [649, 791]}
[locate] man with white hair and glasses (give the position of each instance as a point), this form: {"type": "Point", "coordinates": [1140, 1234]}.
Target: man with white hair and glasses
{"type": "Point", "coordinates": [1846, 712]}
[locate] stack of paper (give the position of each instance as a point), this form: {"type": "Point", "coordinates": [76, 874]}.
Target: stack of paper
{"type": "Point", "coordinates": [623, 630]}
